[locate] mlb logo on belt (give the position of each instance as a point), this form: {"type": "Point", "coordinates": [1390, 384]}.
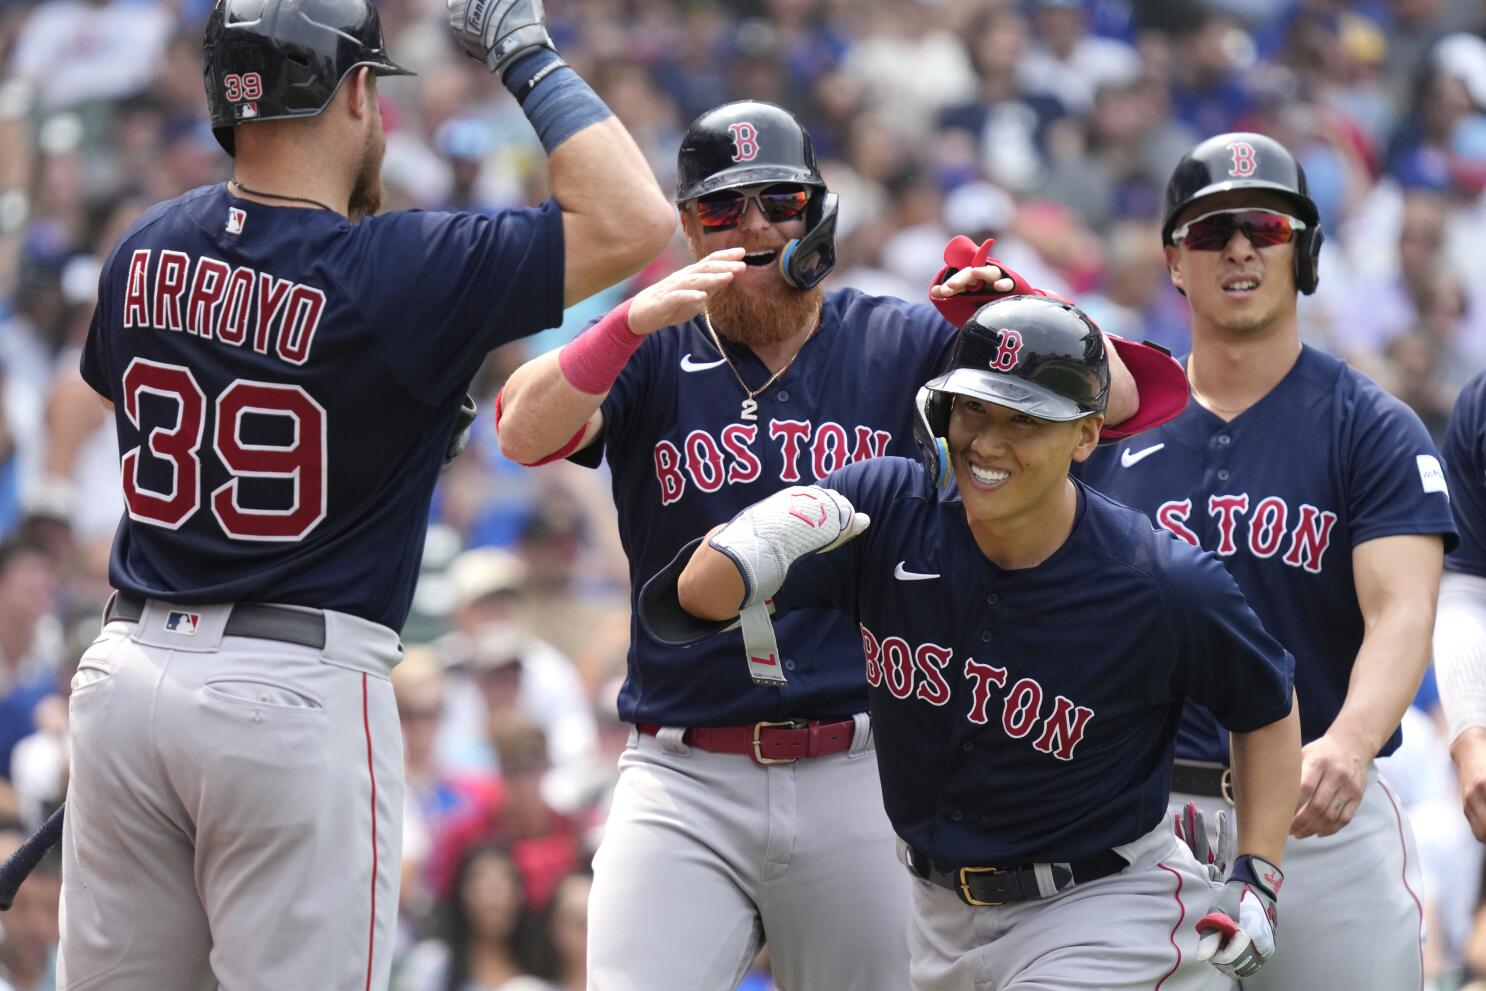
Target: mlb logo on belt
{"type": "Point", "coordinates": [184, 623]}
{"type": "Point", "coordinates": [236, 217]}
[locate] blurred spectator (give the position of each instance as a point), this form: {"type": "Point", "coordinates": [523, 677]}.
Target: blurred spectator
{"type": "Point", "coordinates": [28, 945]}
{"type": "Point", "coordinates": [487, 940]}
{"type": "Point", "coordinates": [568, 931]}
{"type": "Point", "coordinates": [78, 50]}
{"type": "Point", "coordinates": [31, 639]}
{"type": "Point", "coordinates": [1069, 62]}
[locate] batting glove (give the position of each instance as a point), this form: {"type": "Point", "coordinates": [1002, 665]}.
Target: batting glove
{"type": "Point", "coordinates": [1191, 829]}
{"type": "Point", "coordinates": [1238, 930]}
{"type": "Point", "coordinates": [774, 533]}
{"type": "Point", "coordinates": [459, 436]}
{"type": "Point", "coordinates": [499, 32]}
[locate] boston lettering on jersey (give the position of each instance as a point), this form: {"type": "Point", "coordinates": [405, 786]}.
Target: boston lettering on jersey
{"type": "Point", "coordinates": [1265, 529]}
{"type": "Point", "coordinates": [209, 298]}
{"type": "Point", "coordinates": [1031, 714]}
{"type": "Point", "coordinates": [1282, 494]}
{"type": "Point", "coordinates": [918, 672]}
{"type": "Point", "coordinates": [709, 462]}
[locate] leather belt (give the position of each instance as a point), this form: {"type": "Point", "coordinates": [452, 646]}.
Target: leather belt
{"type": "Point", "coordinates": [247, 619]}
{"type": "Point", "coordinates": [987, 887]}
{"type": "Point", "coordinates": [1200, 777]}
{"type": "Point", "coordinates": [768, 742]}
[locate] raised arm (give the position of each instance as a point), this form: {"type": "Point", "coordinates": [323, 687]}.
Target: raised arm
{"type": "Point", "coordinates": [549, 407]}
{"type": "Point", "coordinates": [615, 217]}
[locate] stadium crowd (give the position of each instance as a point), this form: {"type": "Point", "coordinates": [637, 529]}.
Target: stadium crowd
{"type": "Point", "coordinates": [1048, 124]}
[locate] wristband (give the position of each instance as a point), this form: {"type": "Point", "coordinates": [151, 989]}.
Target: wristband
{"type": "Point", "coordinates": [593, 360]}
{"type": "Point", "coordinates": [554, 98]}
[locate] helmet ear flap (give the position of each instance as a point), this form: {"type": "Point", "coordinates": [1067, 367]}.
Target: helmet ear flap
{"type": "Point", "coordinates": [1308, 259]}
{"type": "Point", "coordinates": [930, 428]}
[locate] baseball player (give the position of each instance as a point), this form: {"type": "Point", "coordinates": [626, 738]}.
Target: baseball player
{"type": "Point", "coordinates": [1460, 627]}
{"type": "Point", "coordinates": [748, 811]}
{"type": "Point", "coordinates": [1028, 646]}
{"type": "Point", "coordinates": [285, 384]}
{"type": "Point", "coordinates": [1324, 497]}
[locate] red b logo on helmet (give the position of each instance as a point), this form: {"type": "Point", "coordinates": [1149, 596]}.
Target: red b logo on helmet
{"type": "Point", "coordinates": [1244, 162]}
{"type": "Point", "coordinates": [1011, 343]}
{"type": "Point", "coordinates": [745, 141]}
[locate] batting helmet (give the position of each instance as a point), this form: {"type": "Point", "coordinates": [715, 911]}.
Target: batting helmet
{"type": "Point", "coordinates": [1035, 354]}
{"type": "Point", "coordinates": [272, 59]}
{"type": "Point", "coordinates": [751, 142]}
{"type": "Point", "coordinates": [1242, 160]}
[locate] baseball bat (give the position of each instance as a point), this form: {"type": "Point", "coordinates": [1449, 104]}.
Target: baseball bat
{"type": "Point", "coordinates": [19, 865]}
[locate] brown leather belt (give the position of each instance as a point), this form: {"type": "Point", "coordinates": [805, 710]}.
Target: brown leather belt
{"type": "Point", "coordinates": [1200, 777]}
{"type": "Point", "coordinates": [248, 619]}
{"type": "Point", "coordinates": [768, 742]}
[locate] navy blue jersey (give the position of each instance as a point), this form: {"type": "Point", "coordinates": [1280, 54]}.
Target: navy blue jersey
{"type": "Point", "coordinates": [683, 461]}
{"type": "Point", "coordinates": [1282, 494]}
{"type": "Point", "coordinates": [1031, 714]}
{"type": "Point", "coordinates": [285, 383]}
{"type": "Point", "coordinates": [1465, 469]}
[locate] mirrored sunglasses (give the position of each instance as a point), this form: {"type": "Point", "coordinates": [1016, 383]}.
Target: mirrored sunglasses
{"type": "Point", "coordinates": [722, 210]}
{"type": "Point", "coordinates": [1213, 231]}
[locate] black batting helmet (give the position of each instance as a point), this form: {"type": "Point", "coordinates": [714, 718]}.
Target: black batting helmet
{"type": "Point", "coordinates": [271, 59]}
{"type": "Point", "coordinates": [1243, 160]}
{"type": "Point", "coordinates": [751, 142]}
{"type": "Point", "coordinates": [1035, 354]}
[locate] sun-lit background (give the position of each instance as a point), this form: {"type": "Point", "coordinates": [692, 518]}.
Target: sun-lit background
{"type": "Point", "coordinates": [1050, 124]}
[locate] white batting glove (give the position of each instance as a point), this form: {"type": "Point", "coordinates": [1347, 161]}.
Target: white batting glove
{"type": "Point", "coordinates": [498, 32]}
{"type": "Point", "coordinates": [1238, 931]}
{"type": "Point", "coordinates": [774, 533]}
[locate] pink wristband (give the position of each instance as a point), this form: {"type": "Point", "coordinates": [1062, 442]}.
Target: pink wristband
{"type": "Point", "coordinates": [592, 360]}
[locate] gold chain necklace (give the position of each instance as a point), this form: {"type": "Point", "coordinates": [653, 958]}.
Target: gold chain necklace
{"type": "Point", "coordinates": [749, 410]}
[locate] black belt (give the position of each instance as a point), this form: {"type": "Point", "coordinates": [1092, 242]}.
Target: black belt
{"type": "Point", "coordinates": [248, 619]}
{"type": "Point", "coordinates": [1200, 777]}
{"type": "Point", "coordinates": [991, 886]}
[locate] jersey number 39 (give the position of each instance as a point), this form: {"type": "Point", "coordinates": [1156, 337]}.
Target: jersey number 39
{"type": "Point", "coordinates": [302, 461]}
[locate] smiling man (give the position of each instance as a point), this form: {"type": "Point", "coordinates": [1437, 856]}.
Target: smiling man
{"type": "Point", "coordinates": [1028, 647]}
{"type": "Point", "coordinates": [1324, 497]}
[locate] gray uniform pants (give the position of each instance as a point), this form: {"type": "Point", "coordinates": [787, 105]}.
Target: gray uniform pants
{"type": "Point", "coordinates": [1131, 931]}
{"type": "Point", "coordinates": [1349, 913]}
{"type": "Point", "coordinates": [707, 855]}
{"type": "Point", "coordinates": [234, 812]}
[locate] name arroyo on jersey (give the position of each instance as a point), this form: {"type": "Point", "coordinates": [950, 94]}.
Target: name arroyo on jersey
{"type": "Point", "coordinates": [1266, 528]}
{"type": "Point", "coordinates": [208, 298]}
{"type": "Point", "coordinates": [918, 672]}
{"type": "Point", "coordinates": [709, 462]}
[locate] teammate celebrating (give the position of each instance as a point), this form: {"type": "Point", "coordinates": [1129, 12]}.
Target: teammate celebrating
{"type": "Point", "coordinates": [747, 809]}
{"type": "Point", "coordinates": [1028, 646]}
{"type": "Point", "coordinates": [286, 384]}
{"type": "Point", "coordinates": [1460, 627]}
{"type": "Point", "coordinates": [1324, 497]}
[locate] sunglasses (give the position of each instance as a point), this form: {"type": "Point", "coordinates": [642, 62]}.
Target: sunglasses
{"type": "Point", "coordinates": [1213, 231]}
{"type": "Point", "coordinates": [722, 211]}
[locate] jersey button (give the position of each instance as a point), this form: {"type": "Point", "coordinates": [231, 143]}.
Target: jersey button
{"type": "Point", "coordinates": [956, 815]}
{"type": "Point", "coordinates": [985, 636]}
{"type": "Point", "coordinates": [789, 664]}
{"type": "Point", "coordinates": [992, 599]}
{"type": "Point", "coordinates": [1224, 439]}
{"type": "Point", "coordinates": [783, 396]}
{"type": "Point", "coordinates": [1222, 474]}
{"type": "Point", "coordinates": [967, 746]}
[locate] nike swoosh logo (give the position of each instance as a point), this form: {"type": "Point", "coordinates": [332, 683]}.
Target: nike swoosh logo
{"type": "Point", "coordinates": [904, 575]}
{"type": "Point", "coordinates": [687, 365]}
{"type": "Point", "coordinates": [1129, 458]}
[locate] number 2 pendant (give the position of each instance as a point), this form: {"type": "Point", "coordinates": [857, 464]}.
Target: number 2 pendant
{"type": "Point", "coordinates": [750, 410]}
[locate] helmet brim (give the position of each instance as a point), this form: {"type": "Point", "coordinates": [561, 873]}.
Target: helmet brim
{"type": "Point", "coordinates": [1010, 391]}
{"type": "Point", "coordinates": [748, 175]}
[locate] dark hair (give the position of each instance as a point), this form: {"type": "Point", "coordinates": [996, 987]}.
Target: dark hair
{"type": "Point", "coordinates": [525, 941]}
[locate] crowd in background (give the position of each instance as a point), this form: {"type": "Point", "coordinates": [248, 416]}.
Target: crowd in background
{"type": "Point", "coordinates": [1049, 124]}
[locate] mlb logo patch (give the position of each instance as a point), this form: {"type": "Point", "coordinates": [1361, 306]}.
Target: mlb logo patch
{"type": "Point", "coordinates": [246, 111]}
{"type": "Point", "coordinates": [1431, 474]}
{"type": "Point", "coordinates": [236, 217]}
{"type": "Point", "coordinates": [184, 623]}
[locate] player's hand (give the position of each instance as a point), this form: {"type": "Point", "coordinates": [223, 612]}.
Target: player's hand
{"type": "Point", "coordinates": [772, 534]}
{"type": "Point", "coordinates": [1191, 829]}
{"type": "Point", "coordinates": [684, 293]}
{"type": "Point", "coordinates": [1238, 931]}
{"type": "Point", "coordinates": [1469, 754]}
{"type": "Point", "coordinates": [981, 279]}
{"type": "Point", "coordinates": [499, 32]}
{"type": "Point", "coordinates": [1333, 775]}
